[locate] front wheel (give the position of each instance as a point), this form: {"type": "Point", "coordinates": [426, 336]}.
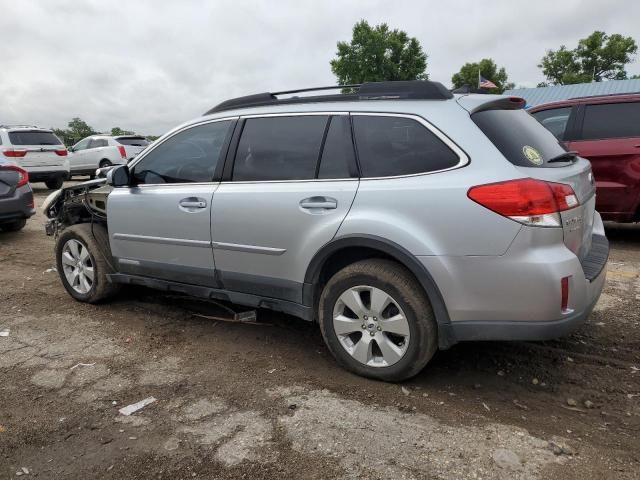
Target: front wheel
{"type": "Point", "coordinates": [54, 183]}
{"type": "Point", "coordinates": [376, 320]}
{"type": "Point", "coordinates": [84, 261]}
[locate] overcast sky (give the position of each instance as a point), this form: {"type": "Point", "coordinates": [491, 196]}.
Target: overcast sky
{"type": "Point", "coordinates": [150, 65]}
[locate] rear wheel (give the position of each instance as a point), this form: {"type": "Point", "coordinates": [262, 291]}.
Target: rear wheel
{"type": "Point", "coordinates": [54, 183]}
{"type": "Point", "coordinates": [13, 226]}
{"type": "Point", "coordinates": [377, 321]}
{"type": "Point", "coordinates": [84, 261]}
{"type": "Point", "coordinates": [105, 163]}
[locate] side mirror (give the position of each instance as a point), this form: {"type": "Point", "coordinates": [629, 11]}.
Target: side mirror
{"type": "Point", "coordinates": [119, 176]}
{"type": "Point", "coordinates": [70, 149]}
{"type": "Point", "coordinates": [102, 172]}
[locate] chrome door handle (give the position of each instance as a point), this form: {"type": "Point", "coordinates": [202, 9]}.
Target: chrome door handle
{"type": "Point", "coordinates": [326, 203]}
{"type": "Point", "coordinates": [193, 203]}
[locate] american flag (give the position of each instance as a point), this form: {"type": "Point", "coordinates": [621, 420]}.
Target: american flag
{"type": "Point", "coordinates": [484, 83]}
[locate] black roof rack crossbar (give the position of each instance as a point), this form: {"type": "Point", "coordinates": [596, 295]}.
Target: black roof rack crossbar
{"type": "Point", "coordinates": [410, 90]}
{"type": "Point", "coordinates": [316, 89]}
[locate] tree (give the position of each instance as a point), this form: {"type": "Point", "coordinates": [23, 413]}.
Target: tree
{"type": "Point", "coordinates": [596, 58]}
{"type": "Point", "coordinates": [377, 54]}
{"type": "Point", "coordinates": [468, 75]}
{"type": "Point", "coordinates": [78, 129]}
{"type": "Point", "coordinates": [115, 131]}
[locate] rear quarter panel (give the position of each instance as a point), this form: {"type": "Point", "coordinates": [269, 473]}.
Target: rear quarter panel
{"type": "Point", "coordinates": [431, 214]}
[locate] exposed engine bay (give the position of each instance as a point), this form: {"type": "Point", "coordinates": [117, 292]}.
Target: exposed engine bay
{"type": "Point", "coordinates": [82, 203]}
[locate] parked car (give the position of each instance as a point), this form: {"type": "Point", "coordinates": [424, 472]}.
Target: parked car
{"type": "Point", "coordinates": [16, 197]}
{"type": "Point", "coordinates": [100, 151]}
{"type": "Point", "coordinates": [606, 130]}
{"type": "Point", "coordinates": [401, 218]}
{"type": "Point", "coordinates": [38, 150]}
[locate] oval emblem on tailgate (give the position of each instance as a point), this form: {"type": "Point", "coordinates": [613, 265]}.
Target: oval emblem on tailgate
{"type": "Point", "coordinates": [532, 155]}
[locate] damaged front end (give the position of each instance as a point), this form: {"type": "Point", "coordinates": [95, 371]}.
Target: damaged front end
{"type": "Point", "coordinates": [81, 203]}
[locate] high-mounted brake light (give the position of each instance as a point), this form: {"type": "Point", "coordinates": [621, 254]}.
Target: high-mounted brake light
{"type": "Point", "coordinates": [527, 200]}
{"type": "Point", "coordinates": [13, 153]}
{"type": "Point", "coordinates": [61, 152]}
{"type": "Point", "coordinates": [23, 175]}
{"type": "Point", "coordinates": [123, 152]}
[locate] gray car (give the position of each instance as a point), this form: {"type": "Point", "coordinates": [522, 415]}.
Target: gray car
{"type": "Point", "coordinates": [400, 217]}
{"type": "Point", "coordinates": [16, 197]}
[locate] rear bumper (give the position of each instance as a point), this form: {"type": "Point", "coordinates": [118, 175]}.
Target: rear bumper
{"type": "Point", "coordinates": [517, 296]}
{"type": "Point", "coordinates": [41, 174]}
{"type": "Point", "coordinates": [18, 206]}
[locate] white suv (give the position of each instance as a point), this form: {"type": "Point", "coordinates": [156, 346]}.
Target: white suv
{"type": "Point", "coordinates": [38, 150]}
{"type": "Point", "coordinates": [99, 151]}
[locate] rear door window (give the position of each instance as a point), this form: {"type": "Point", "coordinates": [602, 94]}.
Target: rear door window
{"type": "Point", "coordinates": [392, 146]}
{"type": "Point", "coordinates": [611, 120]}
{"type": "Point", "coordinates": [555, 120]}
{"type": "Point", "coordinates": [279, 148]}
{"type": "Point", "coordinates": [33, 137]}
{"type": "Point", "coordinates": [519, 137]}
{"type": "Point", "coordinates": [97, 143]}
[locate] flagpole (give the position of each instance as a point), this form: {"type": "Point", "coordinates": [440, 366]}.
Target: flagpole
{"type": "Point", "coordinates": [478, 79]}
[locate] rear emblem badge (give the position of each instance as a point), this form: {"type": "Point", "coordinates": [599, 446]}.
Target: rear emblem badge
{"type": "Point", "coordinates": [532, 155]}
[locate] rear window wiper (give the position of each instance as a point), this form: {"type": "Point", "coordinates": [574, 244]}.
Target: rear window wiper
{"type": "Point", "coordinates": [569, 156]}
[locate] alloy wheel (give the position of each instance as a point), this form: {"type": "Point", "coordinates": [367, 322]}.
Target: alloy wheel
{"type": "Point", "coordinates": [371, 326]}
{"type": "Point", "coordinates": [77, 266]}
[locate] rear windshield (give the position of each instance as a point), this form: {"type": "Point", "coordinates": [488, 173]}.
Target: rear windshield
{"type": "Point", "coordinates": [519, 137]}
{"type": "Point", "coordinates": [133, 141]}
{"type": "Point", "coordinates": [33, 137]}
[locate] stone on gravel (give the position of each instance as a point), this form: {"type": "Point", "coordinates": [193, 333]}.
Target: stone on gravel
{"type": "Point", "coordinates": [405, 390]}
{"type": "Point", "coordinates": [588, 404]}
{"type": "Point", "coordinates": [507, 459]}
{"type": "Point", "coordinates": [51, 379]}
{"type": "Point", "coordinates": [572, 402]}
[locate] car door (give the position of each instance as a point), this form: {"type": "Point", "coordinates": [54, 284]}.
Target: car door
{"type": "Point", "coordinates": [78, 157]}
{"type": "Point", "coordinates": [610, 138]}
{"type": "Point", "coordinates": [160, 225]}
{"type": "Point", "coordinates": [292, 182]}
{"type": "Point", "coordinates": [96, 152]}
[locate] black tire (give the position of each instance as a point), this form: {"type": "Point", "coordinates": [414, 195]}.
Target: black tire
{"type": "Point", "coordinates": [54, 183]}
{"type": "Point", "coordinates": [396, 281]}
{"type": "Point", "coordinates": [14, 226]}
{"type": "Point", "coordinates": [96, 240]}
{"type": "Point", "coordinates": [104, 163]}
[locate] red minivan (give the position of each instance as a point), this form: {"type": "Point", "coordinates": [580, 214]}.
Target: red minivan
{"type": "Point", "coordinates": [605, 130]}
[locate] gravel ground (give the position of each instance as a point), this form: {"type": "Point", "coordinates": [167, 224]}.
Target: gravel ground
{"type": "Point", "coordinates": [267, 401]}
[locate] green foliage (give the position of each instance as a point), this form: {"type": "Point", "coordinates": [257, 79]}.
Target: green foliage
{"type": "Point", "coordinates": [115, 131]}
{"type": "Point", "coordinates": [468, 75]}
{"type": "Point", "coordinates": [597, 57]}
{"type": "Point", "coordinates": [378, 54]}
{"type": "Point", "coordinates": [78, 129]}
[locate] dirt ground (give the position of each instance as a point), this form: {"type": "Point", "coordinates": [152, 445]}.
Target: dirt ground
{"type": "Point", "coordinates": [267, 401]}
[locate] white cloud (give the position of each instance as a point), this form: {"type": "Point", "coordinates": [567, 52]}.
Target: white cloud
{"type": "Point", "coordinates": [149, 65]}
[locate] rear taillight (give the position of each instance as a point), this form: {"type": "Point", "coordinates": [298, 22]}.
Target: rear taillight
{"type": "Point", "coordinates": [123, 152]}
{"type": "Point", "coordinates": [527, 200]}
{"type": "Point", "coordinates": [61, 152]}
{"type": "Point", "coordinates": [23, 175]}
{"type": "Point", "coordinates": [13, 153]}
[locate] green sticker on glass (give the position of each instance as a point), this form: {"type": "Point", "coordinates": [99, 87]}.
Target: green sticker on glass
{"type": "Point", "coordinates": [532, 155]}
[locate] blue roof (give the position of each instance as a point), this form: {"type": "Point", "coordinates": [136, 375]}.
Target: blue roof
{"type": "Point", "coordinates": [540, 95]}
